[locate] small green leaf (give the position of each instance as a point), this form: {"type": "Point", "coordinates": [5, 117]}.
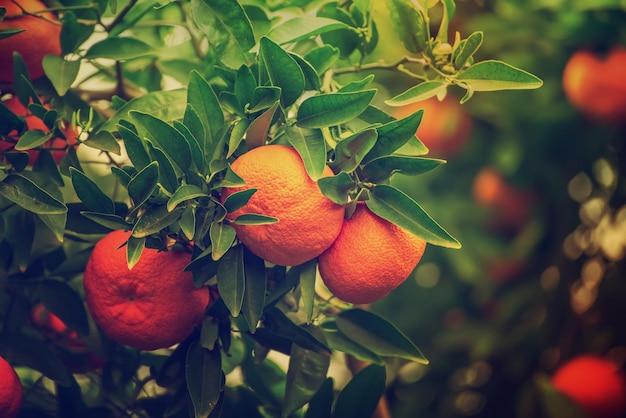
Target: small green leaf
{"type": "Point", "coordinates": [311, 146]}
{"type": "Point", "coordinates": [188, 222]}
{"type": "Point", "coordinates": [351, 151]}
{"type": "Point", "coordinates": [61, 73]}
{"type": "Point", "coordinates": [32, 139]}
{"type": "Point", "coordinates": [183, 193]}
{"type": "Point", "coordinates": [168, 178]}
{"type": "Point", "coordinates": [422, 91]}
{"type": "Point", "coordinates": [357, 85]}
{"type": "Point", "coordinates": [254, 289]}
{"type": "Point", "coordinates": [231, 280]}
{"type": "Point", "coordinates": [73, 33]}
{"type": "Point", "coordinates": [90, 193]}
{"type": "Point", "coordinates": [322, 58]}
{"type": "Point", "coordinates": [238, 199]}
{"type": "Point", "coordinates": [393, 135]}
{"type": "Point", "coordinates": [203, 374]}
{"type": "Point", "coordinates": [299, 28]}
{"type": "Point", "coordinates": [448, 12]}
{"type": "Point", "coordinates": [134, 248]}
{"type": "Point", "coordinates": [154, 220]}
{"type": "Point", "coordinates": [395, 206]}
{"type": "Point", "coordinates": [492, 75]}
{"type": "Point", "coordinates": [378, 335]}
{"type": "Point", "coordinates": [308, 274]}
{"type": "Point", "coordinates": [409, 24]}
{"type": "Point", "coordinates": [333, 108]}
{"type": "Point", "coordinates": [257, 132]}
{"type": "Point", "coordinates": [245, 83]}
{"type": "Point", "coordinates": [113, 222]}
{"type": "Point", "coordinates": [103, 141]}
{"type": "Point", "coordinates": [56, 224]}
{"type": "Point", "coordinates": [311, 78]}
{"type": "Point", "coordinates": [278, 323]}
{"type": "Point", "coordinates": [336, 188]}
{"type": "Point", "coordinates": [361, 395]}
{"type": "Point", "coordinates": [467, 49]}
{"type": "Point", "coordinates": [283, 71]}
{"type": "Point", "coordinates": [222, 237]}
{"type": "Point", "coordinates": [135, 148]}
{"type": "Point", "coordinates": [337, 340]}
{"type": "Point", "coordinates": [203, 100]}
{"type": "Point", "coordinates": [264, 97]}
{"type": "Point", "coordinates": [382, 168]}
{"type": "Point", "coordinates": [141, 186]}
{"type": "Point", "coordinates": [254, 219]}
{"type": "Point", "coordinates": [7, 33]}
{"type": "Point", "coordinates": [26, 194]}
{"type": "Point", "coordinates": [119, 49]}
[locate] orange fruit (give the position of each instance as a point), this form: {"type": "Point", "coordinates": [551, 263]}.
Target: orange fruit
{"type": "Point", "coordinates": [154, 305]}
{"type": "Point", "coordinates": [595, 84]}
{"type": "Point", "coordinates": [594, 383]}
{"type": "Point", "coordinates": [39, 38]}
{"type": "Point", "coordinates": [58, 146]}
{"type": "Point", "coordinates": [10, 391]}
{"type": "Point", "coordinates": [370, 257]}
{"type": "Point", "coordinates": [308, 222]}
{"type": "Point", "coordinates": [445, 127]}
{"type": "Point", "coordinates": [55, 327]}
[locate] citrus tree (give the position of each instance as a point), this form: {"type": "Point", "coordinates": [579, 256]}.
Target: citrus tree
{"type": "Point", "coordinates": [175, 172]}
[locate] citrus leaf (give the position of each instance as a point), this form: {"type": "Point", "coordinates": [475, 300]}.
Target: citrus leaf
{"type": "Point", "coordinates": [166, 138]}
{"type": "Point", "coordinates": [22, 228]}
{"type": "Point", "coordinates": [311, 146]}
{"type": "Point", "coordinates": [90, 193]}
{"type": "Point", "coordinates": [60, 72]}
{"type": "Point", "coordinates": [409, 24]}
{"type": "Point", "coordinates": [330, 109]}
{"type": "Point", "coordinates": [382, 168]}
{"type": "Point", "coordinates": [305, 375]}
{"type": "Point", "coordinates": [299, 28]}
{"type": "Point", "coordinates": [254, 219]}
{"type": "Point", "coordinates": [142, 184]}
{"type": "Point", "coordinates": [311, 78]}
{"type": "Point", "coordinates": [56, 224]}
{"type": "Point", "coordinates": [73, 33]}
{"type": "Point", "coordinates": [254, 289]}
{"type": "Point", "coordinates": [203, 374]}
{"type": "Point", "coordinates": [203, 100]}
{"type": "Point", "coordinates": [266, 379]}
{"type": "Point", "coordinates": [135, 148]}
{"type": "Point", "coordinates": [337, 340]}
{"type": "Point", "coordinates": [264, 97]}
{"type": "Point", "coordinates": [467, 49]}
{"type": "Point", "coordinates": [308, 272]}
{"type": "Point", "coordinates": [231, 280]}
{"type": "Point", "coordinates": [113, 222]}
{"type": "Point", "coordinates": [357, 85]}
{"type": "Point", "coordinates": [119, 49]}
{"type": "Point", "coordinates": [492, 75]}
{"type": "Point", "coordinates": [257, 132]}
{"type": "Point", "coordinates": [345, 40]}
{"type": "Point", "coordinates": [134, 248]}
{"type": "Point", "coordinates": [283, 71]}
{"type": "Point", "coordinates": [26, 194]}
{"type": "Point", "coordinates": [360, 396]}
{"type": "Point", "coordinates": [64, 302]}
{"type": "Point", "coordinates": [32, 139]}
{"type": "Point", "coordinates": [222, 237]}
{"type": "Point", "coordinates": [197, 154]}
{"type": "Point", "coordinates": [238, 199]}
{"type": "Point", "coordinates": [7, 33]}
{"type": "Point", "coordinates": [417, 93]}
{"type": "Point", "coordinates": [351, 151]}
{"type": "Point", "coordinates": [154, 220]}
{"type": "Point", "coordinates": [188, 222]}
{"type": "Point", "coordinates": [227, 28]}
{"type": "Point", "coordinates": [277, 322]}
{"type": "Point", "coordinates": [448, 12]}
{"type": "Point", "coordinates": [336, 188]}
{"type": "Point", "coordinates": [397, 207]}
{"type": "Point", "coordinates": [183, 193]}
{"type": "Point", "coordinates": [320, 405]}
{"type": "Point", "coordinates": [166, 105]}
{"type": "Point", "coordinates": [103, 141]}
{"type": "Point", "coordinates": [193, 124]}
{"type": "Point", "coordinates": [168, 178]}
{"type": "Point", "coordinates": [245, 83]}
{"type": "Point", "coordinates": [322, 58]}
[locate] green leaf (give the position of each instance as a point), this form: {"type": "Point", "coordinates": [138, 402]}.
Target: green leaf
{"type": "Point", "coordinates": [393, 135]}
{"type": "Point", "coordinates": [73, 33]}
{"type": "Point", "coordinates": [448, 12]}
{"type": "Point", "coordinates": [409, 24]}
{"type": "Point", "coordinates": [183, 193]}
{"type": "Point", "coordinates": [23, 229]}
{"type": "Point", "coordinates": [351, 151]}
{"type": "Point", "coordinates": [205, 381]}
{"type": "Point", "coordinates": [422, 91]}
{"type": "Point", "coordinates": [299, 28]}
{"type": "Point", "coordinates": [60, 72]}
{"type": "Point", "coordinates": [222, 237]}
{"type": "Point", "coordinates": [467, 49]}
{"type": "Point", "coordinates": [134, 248]}
{"type": "Point", "coordinates": [264, 97]}
{"type": "Point", "coordinates": [56, 224]}
{"type": "Point", "coordinates": [345, 40]}
{"type": "Point", "coordinates": [64, 302]}
{"type": "Point", "coordinates": [378, 335]}
{"type": "Point", "coordinates": [333, 108]}
{"type": "Point", "coordinates": [32, 139]}
{"type": "Point", "coordinates": [257, 132]}
{"type": "Point", "coordinates": [194, 125]}
{"type": "Point", "coordinates": [154, 220]}
{"type": "Point", "coordinates": [227, 28]}
{"type": "Point", "coordinates": [492, 75]}
{"type": "Point", "coordinates": [357, 85]}
{"type": "Point", "coordinates": [188, 222]}
{"type": "Point", "coordinates": [382, 168]}
{"type": "Point", "coordinates": [165, 105]}
{"type": "Point", "coordinates": [166, 138]}
{"type": "Point", "coordinates": [135, 148]}
{"type": "Point", "coordinates": [202, 97]}
{"type": "Point", "coordinates": [305, 375]}
{"type": "Point", "coordinates": [266, 379]}
{"type": "Point", "coordinates": [119, 49]}
{"type": "Point", "coordinates": [361, 395]}
{"type": "Point", "coordinates": [336, 188]}
{"type": "Point", "coordinates": [322, 58]}
{"type": "Point", "coordinates": [238, 199]}
{"type": "Point", "coordinates": [283, 71]}
{"type": "Point", "coordinates": [90, 193]}
{"type": "Point", "coordinates": [141, 186]}
{"type": "Point", "coordinates": [245, 83]}
{"type": "Point", "coordinates": [308, 274]}
{"type": "Point", "coordinates": [320, 405]}
{"type": "Point", "coordinates": [254, 289]}
{"type": "Point", "coordinates": [311, 78]}
{"type": "Point", "coordinates": [254, 219]}
{"type": "Point", "coordinates": [197, 154]}
{"type": "Point", "coordinates": [26, 194]}
{"type": "Point", "coordinates": [168, 178]}
{"type": "Point", "coordinates": [337, 340]}
{"type": "Point", "coordinates": [311, 146]}
{"type": "Point", "coordinates": [278, 323]}
{"type": "Point", "coordinates": [110, 221]}
{"type": "Point", "coordinates": [395, 206]}
{"type": "Point", "coordinates": [231, 280]}
{"type": "Point", "coordinates": [103, 141]}
{"type": "Point", "coordinates": [8, 32]}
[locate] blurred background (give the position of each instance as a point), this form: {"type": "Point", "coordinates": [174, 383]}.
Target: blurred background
{"type": "Point", "coordinates": [535, 190]}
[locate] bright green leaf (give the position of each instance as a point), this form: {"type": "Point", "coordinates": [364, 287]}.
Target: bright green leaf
{"type": "Point", "coordinates": [119, 49]}
{"type": "Point", "coordinates": [492, 75]}
{"type": "Point", "coordinates": [283, 71]}
{"type": "Point", "coordinates": [60, 72]}
{"type": "Point", "coordinates": [333, 108]}
{"type": "Point", "coordinates": [467, 49]}
{"type": "Point", "coordinates": [417, 93]}
{"type": "Point", "coordinates": [393, 135]}
{"type": "Point", "coordinates": [183, 193]}
{"type": "Point", "coordinates": [311, 146]}
{"type": "Point", "coordinates": [336, 188]}
{"type": "Point", "coordinates": [382, 168]}
{"type": "Point", "coordinates": [299, 28]}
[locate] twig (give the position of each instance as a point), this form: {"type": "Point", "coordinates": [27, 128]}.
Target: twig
{"type": "Point", "coordinates": [120, 16]}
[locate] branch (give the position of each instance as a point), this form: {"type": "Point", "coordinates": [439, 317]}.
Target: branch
{"type": "Point", "coordinates": [120, 16]}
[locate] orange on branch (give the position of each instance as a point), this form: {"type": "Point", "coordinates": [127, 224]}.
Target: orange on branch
{"type": "Point", "coordinates": [370, 258]}
{"type": "Point", "coordinates": [39, 38]}
{"type": "Point", "coordinates": [10, 391]}
{"type": "Point", "coordinates": [308, 222]}
{"type": "Point", "coordinates": [154, 305]}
